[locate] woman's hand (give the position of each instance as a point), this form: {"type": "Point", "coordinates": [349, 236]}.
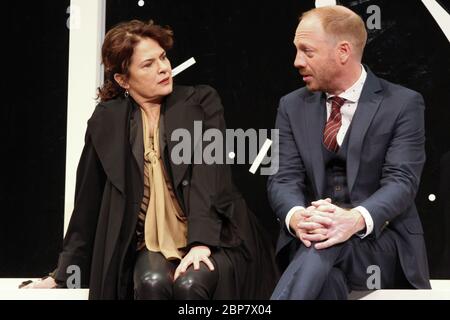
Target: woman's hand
{"type": "Point", "coordinates": [194, 256]}
{"type": "Point", "coordinates": [47, 283]}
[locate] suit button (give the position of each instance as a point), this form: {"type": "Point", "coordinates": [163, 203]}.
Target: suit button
{"type": "Point", "coordinates": [184, 183]}
{"type": "Point", "coordinates": [337, 188]}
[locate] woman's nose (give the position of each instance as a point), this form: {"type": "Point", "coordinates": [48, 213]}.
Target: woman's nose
{"type": "Point", "coordinates": [164, 66]}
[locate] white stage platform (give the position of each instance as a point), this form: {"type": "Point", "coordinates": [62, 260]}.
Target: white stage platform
{"type": "Point", "coordinates": [9, 291]}
{"type": "Point", "coordinates": [440, 291]}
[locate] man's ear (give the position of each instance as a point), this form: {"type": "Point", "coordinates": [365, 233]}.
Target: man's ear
{"type": "Point", "coordinates": [121, 80]}
{"type": "Point", "coordinates": [344, 51]}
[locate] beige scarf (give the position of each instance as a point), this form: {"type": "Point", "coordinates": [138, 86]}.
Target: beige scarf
{"type": "Point", "coordinates": [165, 226]}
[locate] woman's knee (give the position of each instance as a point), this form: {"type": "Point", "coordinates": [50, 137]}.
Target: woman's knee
{"type": "Point", "coordinates": [153, 276]}
{"type": "Point", "coordinates": [196, 284]}
{"type": "Point", "coordinates": [153, 285]}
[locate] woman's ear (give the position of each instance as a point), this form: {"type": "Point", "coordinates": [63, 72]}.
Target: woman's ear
{"type": "Point", "coordinates": [121, 80]}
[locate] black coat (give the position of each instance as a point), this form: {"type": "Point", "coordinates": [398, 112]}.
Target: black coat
{"type": "Point", "coordinates": [109, 190]}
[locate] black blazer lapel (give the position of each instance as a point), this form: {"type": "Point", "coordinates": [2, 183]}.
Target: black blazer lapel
{"type": "Point", "coordinates": [368, 105]}
{"type": "Point", "coordinates": [136, 139]}
{"type": "Point", "coordinates": [162, 137]}
{"type": "Point", "coordinates": [177, 114]}
{"type": "Point", "coordinates": [108, 128]}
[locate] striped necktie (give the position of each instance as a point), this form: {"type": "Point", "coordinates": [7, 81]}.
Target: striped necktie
{"type": "Point", "coordinates": [333, 124]}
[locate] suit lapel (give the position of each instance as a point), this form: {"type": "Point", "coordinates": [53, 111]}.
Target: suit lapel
{"type": "Point", "coordinates": [314, 121]}
{"type": "Point", "coordinates": [368, 105]}
{"type": "Point", "coordinates": [309, 136]}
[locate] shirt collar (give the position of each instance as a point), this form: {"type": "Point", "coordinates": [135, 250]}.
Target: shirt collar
{"type": "Point", "coordinates": [353, 93]}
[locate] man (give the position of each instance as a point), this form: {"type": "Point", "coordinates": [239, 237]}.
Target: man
{"type": "Point", "coordinates": [351, 154]}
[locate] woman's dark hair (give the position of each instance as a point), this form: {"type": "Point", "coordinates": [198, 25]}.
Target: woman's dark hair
{"type": "Point", "coordinates": [118, 48]}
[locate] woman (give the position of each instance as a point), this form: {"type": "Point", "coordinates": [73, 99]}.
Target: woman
{"type": "Point", "coordinates": [144, 225]}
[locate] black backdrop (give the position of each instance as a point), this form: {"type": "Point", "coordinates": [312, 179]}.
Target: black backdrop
{"type": "Point", "coordinates": [243, 49]}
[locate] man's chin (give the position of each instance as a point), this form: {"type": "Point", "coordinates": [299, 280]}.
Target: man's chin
{"type": "Point", "coordinates": [311, 87]}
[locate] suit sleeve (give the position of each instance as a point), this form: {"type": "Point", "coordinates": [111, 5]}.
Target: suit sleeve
{"type": "Point", "coordinates": [286, 187]}
{"type": "Point", "coordinates": [79, 239]}
{"type": "Point", "coordinates": [402, 166]}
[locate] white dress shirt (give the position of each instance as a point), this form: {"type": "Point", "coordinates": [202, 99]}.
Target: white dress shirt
{"type": "Point", "coordinates": [351, 96]}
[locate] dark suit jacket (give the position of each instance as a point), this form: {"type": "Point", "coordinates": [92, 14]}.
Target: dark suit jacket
{"type": "Point", "coordinates": [109, 190]}
{"type": "Point", "coordinates": [384, 163]}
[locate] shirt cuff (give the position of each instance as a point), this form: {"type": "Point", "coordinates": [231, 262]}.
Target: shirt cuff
{"type": "Point", "coordinates": [368, 220]}
{"type": "Point", "coordinates": [288, 217]}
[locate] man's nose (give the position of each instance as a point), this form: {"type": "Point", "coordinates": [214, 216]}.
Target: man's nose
{"type": "Point", "coordinates": [299, 61]}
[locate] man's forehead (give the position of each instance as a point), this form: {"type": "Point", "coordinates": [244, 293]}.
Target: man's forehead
{"type": "Point", "coordinates": [309, 28]}
{"type": "Point", "coordinates": [309, 24]}
{"type": "Point", "coordinates": [301, 34]}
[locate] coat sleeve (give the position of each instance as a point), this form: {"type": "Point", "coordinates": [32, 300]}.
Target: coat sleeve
{"type": "Point", "coordinates": [286, 187]}
{"type": "Point", "coordinates": [204, 224]}
{"type": "Point", "coordinates": [402, 166]}
{"type": "Point", "coordinates": [79, 239]}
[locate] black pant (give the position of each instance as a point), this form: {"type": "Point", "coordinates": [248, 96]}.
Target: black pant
{"type": "Point", "coordinates": [153, 279]}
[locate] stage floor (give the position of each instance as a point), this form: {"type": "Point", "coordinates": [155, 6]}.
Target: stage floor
{"type": "Point", "coordinates": [9, 291]}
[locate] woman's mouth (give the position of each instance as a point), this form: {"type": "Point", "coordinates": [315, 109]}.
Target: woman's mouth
{"type": "Point", "coordinates": [165, 81]}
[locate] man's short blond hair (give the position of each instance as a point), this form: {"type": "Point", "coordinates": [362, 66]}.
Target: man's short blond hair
{"type": "Point", "coordinates": [342, 23]}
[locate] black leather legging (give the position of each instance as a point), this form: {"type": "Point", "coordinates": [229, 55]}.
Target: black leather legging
{"type": "Point", "coordinates": [153, 279]}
